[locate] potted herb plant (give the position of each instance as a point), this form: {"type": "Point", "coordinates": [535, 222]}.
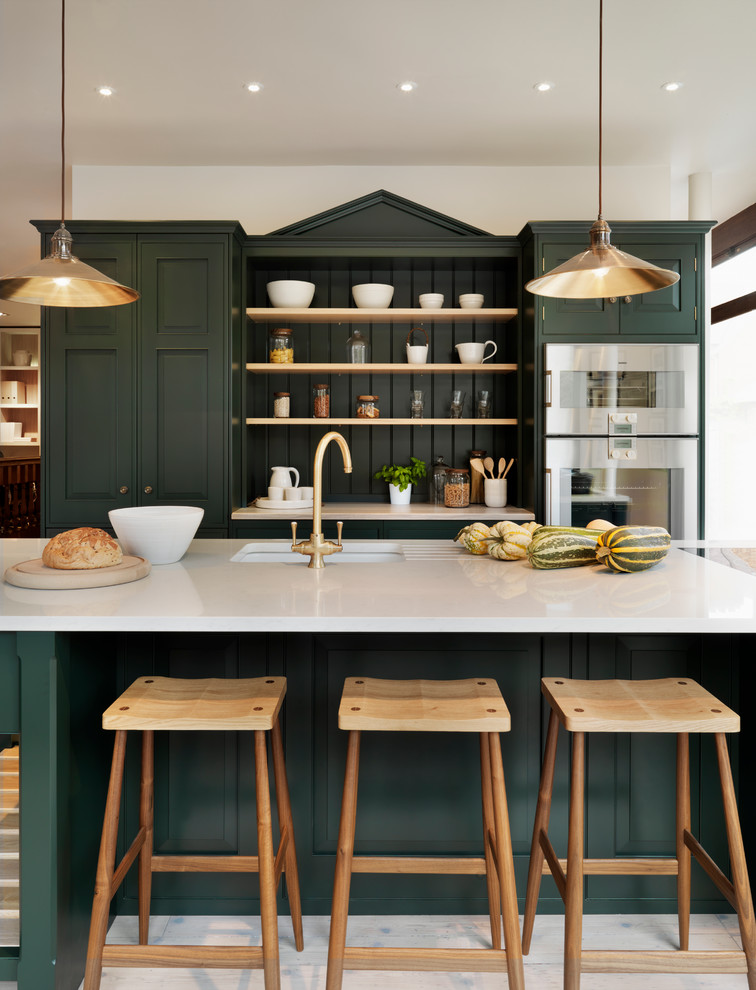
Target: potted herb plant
{"type": "Point", "coordinates": [401, 478]}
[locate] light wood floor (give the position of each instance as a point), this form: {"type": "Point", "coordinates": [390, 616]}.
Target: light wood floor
{"type": "Point", "coordinates": [306, 970]}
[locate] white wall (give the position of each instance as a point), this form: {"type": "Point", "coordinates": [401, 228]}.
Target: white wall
{"type": "Point", "coordinates": [498, 200]}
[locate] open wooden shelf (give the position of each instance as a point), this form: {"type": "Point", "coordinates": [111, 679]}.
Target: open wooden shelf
{"type": "Point", "coordinates": [388, 421]}
{"type": "Point", "coordinates": [350, 314]}
{"type": "Point", "coordinates": [387, 368]}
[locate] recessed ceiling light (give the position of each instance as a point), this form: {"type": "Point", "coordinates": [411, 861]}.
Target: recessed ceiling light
{"type": "Point", "coordinates": [254, 87]}
{"type": "Point", "coordinates": [543, 87]}
{"type": "Point", "coordinates": [407, 86]}
{"type": "Point", "coordinates": [672, 87]}
{"type": "Point", "coordinates": [105, 90]}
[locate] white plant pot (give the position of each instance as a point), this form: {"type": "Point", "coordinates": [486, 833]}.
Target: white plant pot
{"type": "Point", "coordinates": [399, 498]}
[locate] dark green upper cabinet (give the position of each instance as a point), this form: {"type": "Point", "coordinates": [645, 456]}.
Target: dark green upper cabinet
{"type": "Point", "coordinates": [137, 397]}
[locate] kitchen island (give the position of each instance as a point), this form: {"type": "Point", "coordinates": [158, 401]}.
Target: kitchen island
{"type": "Point", "coordinates": [427, 609]}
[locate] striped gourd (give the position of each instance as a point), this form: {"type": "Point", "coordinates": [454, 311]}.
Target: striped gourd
{"type": "Point", "coordinates": [562, 550]}
{"type": "Point", "coordinates": [543, 531]}
{"type": "Point", "coordinates": [632, 548]}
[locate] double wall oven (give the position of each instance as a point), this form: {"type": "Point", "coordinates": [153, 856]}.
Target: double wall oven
{"type": "Point", "coordinates": [622, 435]}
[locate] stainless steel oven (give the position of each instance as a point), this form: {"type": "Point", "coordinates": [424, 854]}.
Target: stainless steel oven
{"type": "Point", "coordinates": [621, 424]}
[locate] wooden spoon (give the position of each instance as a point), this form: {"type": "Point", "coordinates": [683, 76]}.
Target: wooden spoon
{"type": "Point", "coordinates": [477, 465]}
{"type": "Point", "coordinates": [502, 462]}
{"type": "Point", "coordinates": [508, 467]}
{"type": "Point", "coordinates": [488, 464]}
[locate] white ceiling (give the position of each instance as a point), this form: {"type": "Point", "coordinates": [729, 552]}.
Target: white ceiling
{"type": "Point", "coordinates": [330, 69]}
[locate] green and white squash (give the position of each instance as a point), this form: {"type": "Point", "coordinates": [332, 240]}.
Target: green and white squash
{"type": "Point", "coordinates": [562, 549]}
{"type": "Point", "coordinates": [474, 537]}
{"type": "Point", "coordinates": [632, 548]}
{"type": "Point", "coordinates": [508, 541]}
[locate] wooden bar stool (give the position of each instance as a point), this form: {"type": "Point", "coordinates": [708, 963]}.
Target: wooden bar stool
{"type": "Point", "coordinates": [168, 703]}
{"type": "Point", "coordinates": [473, 705]}
{"type": "Point", "coordinates": [665, 705]}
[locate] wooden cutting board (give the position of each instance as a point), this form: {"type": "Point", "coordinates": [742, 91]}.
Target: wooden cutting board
{"type": "Point", "coordinates": [35, 574]}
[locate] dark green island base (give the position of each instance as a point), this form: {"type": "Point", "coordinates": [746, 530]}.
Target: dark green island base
{"type": "Point", "coordinates": [416, 797]}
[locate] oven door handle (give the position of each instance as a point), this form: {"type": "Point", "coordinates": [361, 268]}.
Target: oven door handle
{"type": "Point", "coordinates": [547, 388]}
{"type": "Point", "coordinates": [547, 497]}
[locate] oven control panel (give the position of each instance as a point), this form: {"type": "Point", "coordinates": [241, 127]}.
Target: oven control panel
{"type": "Point", "coordinates": [622, 448]}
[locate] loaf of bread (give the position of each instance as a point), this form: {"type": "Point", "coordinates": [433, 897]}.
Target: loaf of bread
{"type": "Point", "coordinates": [82, 549]}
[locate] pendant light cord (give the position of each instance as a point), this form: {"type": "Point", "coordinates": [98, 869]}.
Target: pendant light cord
{"type": "Point", "coordinates": [62, 111]}
{"type": "Point", "coordinates": [600, 102]}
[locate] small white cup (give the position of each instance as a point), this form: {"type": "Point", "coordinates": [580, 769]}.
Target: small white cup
{"type": "Point", "coordinates": [275, 493]}
{"type": "Point", "coordinates": [495, 492]}
{"type": "Point", "coordinates": [431, 300]}
{"type": "Point", "coordinates": [307, 494]}
{"type": "Point", "coordinates": [472, 352]}
{"type": "Point", "coordinates": [292, 494]}
{"type": "Point", "coordinates": [471, 300]}
{"type": "Point", "coordinates": [417, 353]}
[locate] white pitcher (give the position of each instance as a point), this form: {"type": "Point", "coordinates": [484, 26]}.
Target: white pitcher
{"type": "Point", "coordinates": [280, 477]}
{"type": "Point", "coordinates": [21, 358]}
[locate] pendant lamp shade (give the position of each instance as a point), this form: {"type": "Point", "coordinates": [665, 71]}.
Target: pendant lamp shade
{"type": "Point", "coordinates": [602, 270]}
{"type": "Point", "coordinates": [60, 279]}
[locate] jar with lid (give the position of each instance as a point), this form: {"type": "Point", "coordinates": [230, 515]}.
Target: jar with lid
{"type": "Point", "coordinates": [321, 401]}
{"type": "Point", "coordinates": [457, 488]}
{"type": "Point", "coordinates": [281, 346]}
{"type": "Point", "coordinates": [358, 349]}
{"type": "Point", "coordinates": [437, 481]}
{"type": "Point", "coordinates": [476, 479]}
{"type": "Point", "coordinates": [281, 401]}
{"type": "Point", "coordinates": [367, 407]}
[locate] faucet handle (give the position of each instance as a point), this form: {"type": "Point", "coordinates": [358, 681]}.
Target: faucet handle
{"type": "Point", "coordinates": [293, 533]}
{"type": "Point", "coordinates": [339, 527]}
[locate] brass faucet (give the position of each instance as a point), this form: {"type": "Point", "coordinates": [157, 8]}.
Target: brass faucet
{"type": "Point", "coordinates": [317, 546]}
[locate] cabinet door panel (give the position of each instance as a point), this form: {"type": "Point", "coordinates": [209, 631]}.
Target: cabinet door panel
{"type": "Point", "coordinates": [670, 310]}
{"type": "Point", "coordinates": [88, 436]}
{"type": "Point", "coordinates": [184, 375]}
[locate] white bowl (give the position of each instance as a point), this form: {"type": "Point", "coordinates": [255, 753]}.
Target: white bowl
{"type": "Point", "coordinates": [372, 295]}
{"type": "Point", "coordinates": [161, 533]}
{"type": "Point", "coordinates": [471, 300]}
{"type": "Point", "coordinates": [431, 300]}
{"type": "Point", "coordinates": [290, 293]}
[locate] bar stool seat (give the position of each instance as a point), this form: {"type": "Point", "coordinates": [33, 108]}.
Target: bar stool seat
{"type": "Point", "coordinates": [471, 705]}
{"type": "Point", "coordinates": [206, 704]}
{"type": "Point", "coordinates": [671, 705]}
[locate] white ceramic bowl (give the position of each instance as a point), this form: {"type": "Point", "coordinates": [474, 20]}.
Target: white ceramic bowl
{"type": "Point", "coordinates": [289, 293]}
{"type": "Point", "coordinates": [161, 533]}
{"type": "Point", "coordinates": [372, 295]}
{"type": "Point", "coordinates": [471, 300]}
{"type": "Point", "coordinates": [431, 300]}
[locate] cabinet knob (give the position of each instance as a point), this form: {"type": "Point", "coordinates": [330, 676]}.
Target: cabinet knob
{"type": "Point", "coordinates": [612, 299]}
{"type": "Point", "coordinates": [627, 299]}
{"type": "Point", "coordinates": [124, 489]}
{"type": "Point", "coordinates": [148, 489]}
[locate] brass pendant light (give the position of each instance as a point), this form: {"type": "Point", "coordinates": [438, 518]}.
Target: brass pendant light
{"type": "Point", "coordinates": [601, 270]}
{"type": "Point", "coordinates": [60, 279]}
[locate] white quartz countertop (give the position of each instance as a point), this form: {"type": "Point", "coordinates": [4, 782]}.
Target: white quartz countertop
{"type": "Point", "coordinates": [436, 587]}
{"type": "Point", "coordinates": [414, 511]}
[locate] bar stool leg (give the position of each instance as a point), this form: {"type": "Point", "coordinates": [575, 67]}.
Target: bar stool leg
{"type": "Point", "coordinates": [343, 872]}
{"type": "Point", "coordinates": [146, 822]}
{"type": "Point", "coordinates": [286, 821]}
{"type": "Point", "coordinates": [489, 836]}
{"type": "Point", "coordinates": [105, 865]}
{"type": "Point", "coordinates": [542, 815]}
{"type": "Point", "coordinates": [573, 902]}
{"type": "Point", "coordinates": [505, 862]}
{"type": "Point", "coordinates": [682, 851]}
{"type": "Point", "coordinates": [268, 908]}
{"type": "Point", "coordinates": [738, 865]}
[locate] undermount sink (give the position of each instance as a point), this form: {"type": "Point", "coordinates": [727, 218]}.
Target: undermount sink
{"type": "Point", "coordinates": [353, 552]}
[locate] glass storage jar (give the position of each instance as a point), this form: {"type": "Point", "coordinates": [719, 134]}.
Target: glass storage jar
{"type": "Point", "coordinates": [437, 481]}
{"type": "Point", "coordinates": [281, 401]}
{"type": "Point", "coordinates": [321, 401]}
{"type": "Point", "coordinates": [358, 349]}
{"type": "Point", "coordinates": [367, 407]}
{"type": "Point", "coordinates": [281, 346]}
{"type": "Point", "coordinates": [457, 488]}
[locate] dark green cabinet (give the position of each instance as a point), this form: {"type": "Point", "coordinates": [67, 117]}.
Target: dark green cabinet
{"type": "Point", "coordinates": [137, 397]}
{"type": "Point", "coordinates": [673, 310]}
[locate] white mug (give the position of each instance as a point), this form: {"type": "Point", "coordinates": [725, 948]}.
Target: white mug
{"type": "Point", "coordinates": [281, 476]}
{"type": "Point", "coordinates": [292, 494]}
{"type": "Point", "coordinates": [306, 493]}
{"type": "Point", "coordinates": [495, 492]}
{"type": "Point", "coordinates": [417, 353]}
{"type": "Point", "coordinates": [275, 493]}
{"type": "Point", "coordinates": [21, 358]}
{"type": "Point", "coordinates": [474, 353]}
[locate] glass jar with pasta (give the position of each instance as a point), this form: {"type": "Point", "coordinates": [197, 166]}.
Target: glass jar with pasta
{"type": "Point", "coordinates": [281, 346]}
